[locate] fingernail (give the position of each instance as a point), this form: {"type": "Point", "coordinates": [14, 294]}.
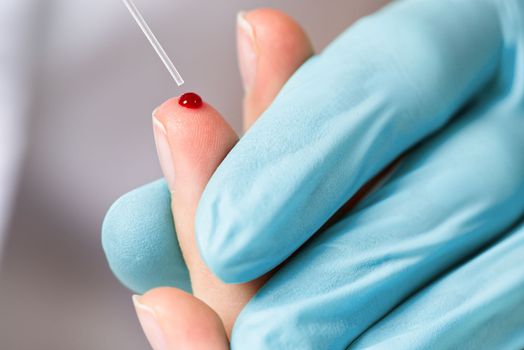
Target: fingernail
{"type": "Point", "coordinates": [247, 51]}
{"type": "Point", "coordinates": [150, 325]}
{"type": "Point", "coordinates": [164, 152]}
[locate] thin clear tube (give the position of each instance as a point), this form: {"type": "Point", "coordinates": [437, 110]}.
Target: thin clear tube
{"type": "Point", "coordinates": [154, 41]}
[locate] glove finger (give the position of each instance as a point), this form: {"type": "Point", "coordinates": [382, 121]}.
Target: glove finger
{"type": "Point", "coordinates": [383, 85]}
{"type": "Point", "coordinates": [479, 305]}
{"type": "Point", "coordinates": [449, 198]}
{"type": "Point", "coordinates": [139, 240]}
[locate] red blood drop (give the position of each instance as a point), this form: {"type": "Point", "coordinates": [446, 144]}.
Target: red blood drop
{"type": "Point", "coordinates": [190, 100]}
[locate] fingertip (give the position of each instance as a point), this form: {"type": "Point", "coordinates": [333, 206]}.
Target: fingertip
{"type": "Point", "coordinates": [271, 47]}
{"type": "Point", "coordinates": [140, 243]}
{"type": "Point", "coordinates": [270, 23]}
{"type": "Point", "coordinates": [184, 119]}
{"type": "Point", "coordinates": [175, 319]}
{"type": "Point", "coordinates": [198, 139]}
{"type": "Point", "coordinates": [223, 249]}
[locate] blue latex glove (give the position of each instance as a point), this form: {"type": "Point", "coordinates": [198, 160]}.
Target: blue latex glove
{"type": "Point", "coordinates": [140, 242]}
{"type": "Point", "coordinates": [479, 305]}
{"type": "Point", "coordinates": [388, 82]}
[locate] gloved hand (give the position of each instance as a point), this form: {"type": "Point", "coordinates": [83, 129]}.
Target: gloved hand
{"type": "Point", "coordinates": [445, 69]}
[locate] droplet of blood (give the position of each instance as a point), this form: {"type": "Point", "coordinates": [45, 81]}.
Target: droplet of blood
{"type": "Point", "coordinates": [190, 100]}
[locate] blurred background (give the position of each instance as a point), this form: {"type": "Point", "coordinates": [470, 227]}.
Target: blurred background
{"type": "Point", "coordinates": [78, 82]}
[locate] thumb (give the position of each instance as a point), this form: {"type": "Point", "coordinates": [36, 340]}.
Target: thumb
{"type": "Point", "coordinates": [271, 47]}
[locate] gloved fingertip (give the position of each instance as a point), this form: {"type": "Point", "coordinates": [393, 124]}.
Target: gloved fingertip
{"type": "Point", "coordinates": [224, 250]}
{"type": "Point", "coordinates": [140, 243]}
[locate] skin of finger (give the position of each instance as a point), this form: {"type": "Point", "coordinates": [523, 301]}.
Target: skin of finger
{"type": "Point", "coordinates": [282, 47]}
{"type": "Point", "coordinates": [139, 240]}
{"type": "Point", "coordinates": [343, 117]}
{"type": "Point", "coordinates": [449, 199]}
{"type": "Point", "coordinates": [186, 322]}
{"type": "Point", "coordinates": [199, 140]}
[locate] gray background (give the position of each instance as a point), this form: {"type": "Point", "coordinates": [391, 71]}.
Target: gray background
{"type": "Point", "coordinates": [94, 82]}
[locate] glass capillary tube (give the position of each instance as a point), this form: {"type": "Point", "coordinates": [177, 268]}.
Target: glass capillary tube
{"type": "Point", "coordinates": [154, 41]}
